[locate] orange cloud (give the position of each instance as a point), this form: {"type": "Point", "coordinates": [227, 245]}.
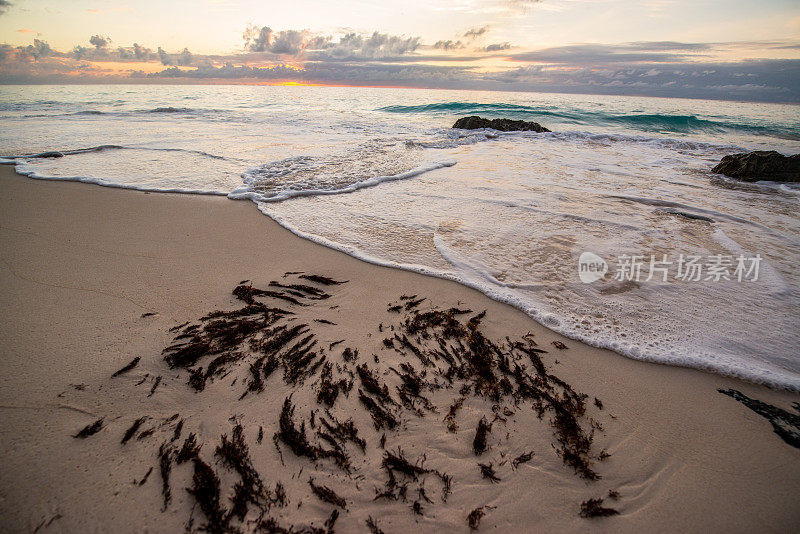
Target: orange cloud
{"type": "Point", "coordinates": [25, 30]}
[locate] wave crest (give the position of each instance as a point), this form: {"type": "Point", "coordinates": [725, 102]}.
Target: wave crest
{"type": "Point", "coordinates": [651, 122]}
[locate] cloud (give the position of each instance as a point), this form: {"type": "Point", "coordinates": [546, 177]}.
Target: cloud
{"type": "Point", "coordinates": [474, 33]}
{"type": "Point", "coordinates": [375, 46]}
{"type": "Point", "coordinates": [140, 52]}
{"type": "Point", "coordinates": [164, 57]}
{"type": "Point", "coordinates": [622, 53]}
{"type": "Point", "coordinates": [662, 68]}
{"type": "Point", "coordinates": [4, 5]}
{"type": "Point", "coordinates": [39, 49]}
{"type": "Point", "coordinates": [760, 80]}
{"type": "Point", "coordinates": [183, 58]}
{"type": "Point", "coordinates": [523, 4]}
{"type": "Point", "coordinates": [263, 39]}
{"type": "Point", "coordinates": [99, 41]}
{"type": "Point", "coordinates": [665, 45]}
{"type": "Point", "coordinates": [341, 73]}
{"type": "Point", "coordinates": [448, 45]}
{"type": "Point", "coordinates": [349, 46]}
{"type": "Point", "coordinates": [496, 47]}
{"type": "Point", "coordinates": [469, 36]}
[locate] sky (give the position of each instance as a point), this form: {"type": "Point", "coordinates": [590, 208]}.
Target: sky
{"type": "Point", "coordinates": [738, 50]}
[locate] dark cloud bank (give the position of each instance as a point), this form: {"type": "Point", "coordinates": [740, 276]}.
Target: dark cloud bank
{"type": "Point", "coordinates": [668, 69]}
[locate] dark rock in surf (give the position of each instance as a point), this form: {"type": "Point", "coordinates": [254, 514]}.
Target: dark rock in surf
{"type": "Point", "coordinates": [504, 125]}
{"type": "Point", "coordinates": [52, 154]}
{"type": "Point", "coordinates": [760, 165]}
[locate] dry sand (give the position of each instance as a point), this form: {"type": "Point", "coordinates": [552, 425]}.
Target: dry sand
{"type": "Point", "coordinates": [82, 264]}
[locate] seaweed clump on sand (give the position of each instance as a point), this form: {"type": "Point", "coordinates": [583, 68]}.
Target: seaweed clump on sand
{"type": "Point", "coordinates": [521, 459]}
{"type": "Point", "coordinates": [488, 472]}
{"type": "Point", "coordinates": [381, 417]}
{"type": "Point", "coordinates": [372, 525]}
{"type": "Point", "coordinates": [594, 508]}
{"type": "Point", "coordinates": [258, 334]}
{"type": "Point", "coordinates": [234, 454]}
{"type": "Point", "coordinates": [206, 492]}
{"type": "Point", "coordinates": [428, 353]}
{"type": "Point", "coordinates": [189, 450]}
{"type": "Point", "coordinates": [296, 439]}
{"type": "Point", "coordinates": [165, 453]}
{"type": "Point", "coordinates": [479, 443]}
{"type": "Point", "coordinates": [457, 350]}
{"type": "Point", "coordinates": [474, 518]}
{"type": "Point", "coordinates": [127, 368]}
{"type": "Point", "coordinates": [90, 429]}
{"type": "Point", "coordinates": [785, 424]}
{"type": "Point", "coordinates": [132, 429]}
{"type": "Point", "coordinates": [326, 494]}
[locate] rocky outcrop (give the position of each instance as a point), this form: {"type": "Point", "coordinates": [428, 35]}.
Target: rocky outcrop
{"type": "Point", "coordinates": [760, 165]}
{"type": "Point", "coordinates": [504, 125]}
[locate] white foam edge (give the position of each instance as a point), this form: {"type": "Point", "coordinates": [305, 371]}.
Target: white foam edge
{"type": "Point", "coordinates": [26, 169]}
{"type": "Point", "coordinates": [245, 192]}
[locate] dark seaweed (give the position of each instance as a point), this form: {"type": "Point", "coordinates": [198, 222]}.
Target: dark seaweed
{"type": "Point", "coordinates": [128, 367]}
{"type": "Point", "coordinates": [256, 339]}
{"type": "Point", "coordinates": [90, 429]}
{"type": "Point", "coordinates": [327, 495]}
{"type": "Point", "coordinates": [234, 454]}
{"type": "Point", "coordinates": [144, 478]}
{"type": "Point", "coordinates": [397, 463]}
{"type": "Point", "coordinates": [380, 417]}
{"type": "Point", "coordinates": [372, 384]}
{"type": "Point", "coordinates": [521, 459]}
{"type": "Point", "coordinates": [178, 429]}
{"type": "Point", "coordinates": [479, 444]}
{"type": "Point", "coordinates": [206, 491]}
{"type": "Point", "coordinates": [155, 385]}
{"type": "Point", "coordinates": [594, 508]}
{"type": "Point", "coordinates": [373, 526]}
{"type": "Point", "coordinates": [189, 450]}
{"type": "Point", "coordinates": [331, 521]}
{"type": "Point", "coordinates": [132, 429]}
{"type": "Point", "coordinates": [474, 518]}
{"type": "Point", "coordinates": [450, 418]}
{"type": "Point", "coordinates": [343, 431]}
{"type": "Point", "coordinates": [785, 424]}
{"type": "Point", "coordinates": [488, 472]}
{"type": "Point", "coordinates": [165, 453]}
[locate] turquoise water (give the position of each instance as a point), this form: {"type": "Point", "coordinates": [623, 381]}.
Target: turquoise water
{"type": "Point", "coordinates": [380, 174]}
{"type": "Point", "coordinates": [636, 120]}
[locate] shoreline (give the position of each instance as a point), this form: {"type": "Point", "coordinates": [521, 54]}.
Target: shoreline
{"type": "Point", "coordinates": [81, 266]}
{"type": "Point", "coordinates": [771, 382]}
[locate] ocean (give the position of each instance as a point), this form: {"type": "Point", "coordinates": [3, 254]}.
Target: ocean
{"type": "Point", "coordinates": [701, 270]}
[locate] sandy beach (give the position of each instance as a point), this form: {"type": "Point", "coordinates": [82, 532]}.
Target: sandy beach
{"type": "Point", "coordinates": [94, 277]}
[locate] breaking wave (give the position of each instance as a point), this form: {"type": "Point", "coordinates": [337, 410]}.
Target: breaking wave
{"type": "Point", "coordinates": [650, 122]}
